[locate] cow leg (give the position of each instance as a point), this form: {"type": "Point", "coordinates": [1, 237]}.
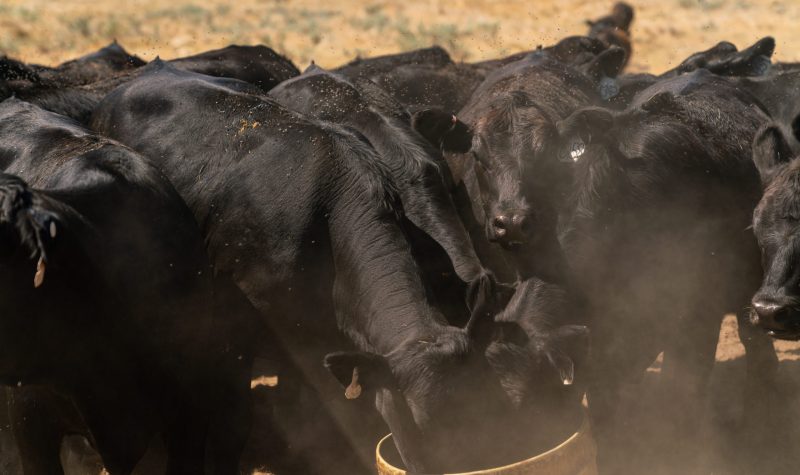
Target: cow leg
{"type": "Point", "coordinates": [688, 362]}
{"type": "Point", "coordinates": [185, 439]}
{"type": "Point", "coordinates": [37, 429]}
{"type": "Point", "coordinates": [120, 425]}
{"type": "Point", "coordinates": [609, 375]}
{"type": "Point", "coordinates": [240, 330]}
{"type": "Point", "coordinates": [762, 366]}
{"type": "Point", "coordinates": [764, 425]}
{"type": "Point", "coordinates": [230, 422]}
{"type": "Point", "coordinates": [603, 397]}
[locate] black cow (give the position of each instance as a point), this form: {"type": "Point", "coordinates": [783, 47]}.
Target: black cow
{"type": "Point", "coordinates": [416, 166]}
{"type": "Point", "coordinates": [421, 78]}
{"type": "Point", "coordinates": [76, 101]}
{"type": "Point", "coordinates": [446, 86]}
{"type": "Point", "coordinates": [303, 215]}
{"type": "Point", "coordinates": [775, 305]}
{"type": "Point", "coordinates": [614, 29]}
{"type": "Point", "coordinates": [84, 70]}
{"type": "Point", "coordinates": [779, 92]}
{"type": "Point", "coordinates": [423, 179]}
{"type": "Point", "coordinates": [366, 68]}
{"type": "Point", "coordinates": [429, 78]}
{"type": "Point", "coordinates": [544, 341]}
{"type": "Point", "coordinates": [62, 93]}
{"type": "Point", "coordinates": [654, 203]}
{"type": "Point", "coordinates": [722, 59]}
{"type": "Point", "coordinates": [573, 50]}
{"type": "Point", "coordinates": [94, 66]}
{"type": "Point", "coordinates": [257, 65]}
{"type": "Point", "coordinates": [512, 115]}
{"type": "Point", "coordinates": [107, 300]}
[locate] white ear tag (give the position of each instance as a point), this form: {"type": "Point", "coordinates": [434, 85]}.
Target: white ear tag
{"type": "Point", "coordinates": [353, 391]}
{"type": "Point", "coordinates": [576, 150]}
{"type": "Point", "coordinates": [608, 88]}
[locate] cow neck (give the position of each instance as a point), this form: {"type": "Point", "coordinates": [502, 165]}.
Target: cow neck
{"type": "Point", "coordinates": [379, 297]}
{"type": "Point", "coordinates": [425, 204]}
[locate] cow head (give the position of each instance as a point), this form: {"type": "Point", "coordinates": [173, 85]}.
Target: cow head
{"type": "Point", "coordinates": [610, 155]}
{"type": "Point", "coordinates": [437, 395]}
{"type": "Point", "coordinates": [505, 147]}
{"type": "Point", "coordinates": [776, 222]}
{"type": "Point", "coordinates": [459, 399]}
{"type": "Point", "coordinates": [517, 169]}
{"type": "Point", "coordinates": [538, 352]}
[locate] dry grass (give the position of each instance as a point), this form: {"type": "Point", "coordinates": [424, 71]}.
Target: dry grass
{"type": "Point", "coordinates": [332, 32]}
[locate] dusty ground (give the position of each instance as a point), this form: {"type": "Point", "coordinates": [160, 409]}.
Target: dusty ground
{"type": "Point", "coordinates": [333, 32]}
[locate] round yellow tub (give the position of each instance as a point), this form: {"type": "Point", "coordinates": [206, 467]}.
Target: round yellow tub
{"type": "Point", "coordinates": [574, 456]}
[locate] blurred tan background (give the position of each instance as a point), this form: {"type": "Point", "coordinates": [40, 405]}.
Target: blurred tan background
{"type": "Point", "coordinates": [332, 32]}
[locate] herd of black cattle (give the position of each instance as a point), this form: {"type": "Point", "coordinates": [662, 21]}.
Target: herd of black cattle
{"type": "Point", "coordinates": [443, 238]}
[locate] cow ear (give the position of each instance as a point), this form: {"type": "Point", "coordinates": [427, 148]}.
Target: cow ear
{"type": "Point", "coordinates": [26, 212]}
{"type": "Point", "coordinates": [587, 121]}
{"type": "Point", "coordinates": [662, 102]}
{"type": "Point", "coordinates": [313, 68]}
{"type": "Point", "coordinates": [611, 61]}
{"type": "Point", "coordinates": [443, 130]}
{"type": "Point", "coordinates": [796, 127]}
{"type": "Point", "coordinates": [578, 130]}
{"type": "Point", "coordinates": [752, 61]}
{"type": "Point", "coordinates": [758, 57]}
{"type": "Point", "coordinates": [770, 151]}
{"type": "Point", "coordinates": [358, 371]}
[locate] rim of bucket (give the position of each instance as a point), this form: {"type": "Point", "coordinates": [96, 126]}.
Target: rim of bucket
{"type": "Point", "coordinates": [582, 431]}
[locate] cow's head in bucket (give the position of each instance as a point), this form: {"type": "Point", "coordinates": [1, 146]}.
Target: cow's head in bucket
{"type": "Point", "coordinates": [445, 397]}
{"type": "Point", "coordinates": [436, 391]}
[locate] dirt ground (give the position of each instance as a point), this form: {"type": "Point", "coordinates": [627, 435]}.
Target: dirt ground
{"type": "Point", "coordinates": [333, 32]}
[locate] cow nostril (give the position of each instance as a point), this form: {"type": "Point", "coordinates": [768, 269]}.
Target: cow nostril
{"type": "Point", "coordinates": [781, 315]}
{"type": "Point", "coordinates": [499, 222]}
{"type": "Point", "coordinates": [771, 312]}
{"type": "Point", "coordinates": [523, 224]}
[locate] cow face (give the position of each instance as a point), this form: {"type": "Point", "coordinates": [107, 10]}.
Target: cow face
{"type": "Point", "coordinates": [515, 170]}
{"type": "Point", "coordinates": [460, 399]}
{"type": "Point", "coordinates": [439, 397]}
{"type": "Point", "coordinates": [517, 167]}
{"type": "Point", "coordinates": [617, 156]}
{"type": "Point", "coordinates": [538, 349]}
{"type": "Point", "coordinates": [776, 222]}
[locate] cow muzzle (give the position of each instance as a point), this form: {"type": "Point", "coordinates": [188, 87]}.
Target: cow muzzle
{"type": "Point", "coordinates": [780, 320]}
{"type": "Point", "coordinates": [510, 230]}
